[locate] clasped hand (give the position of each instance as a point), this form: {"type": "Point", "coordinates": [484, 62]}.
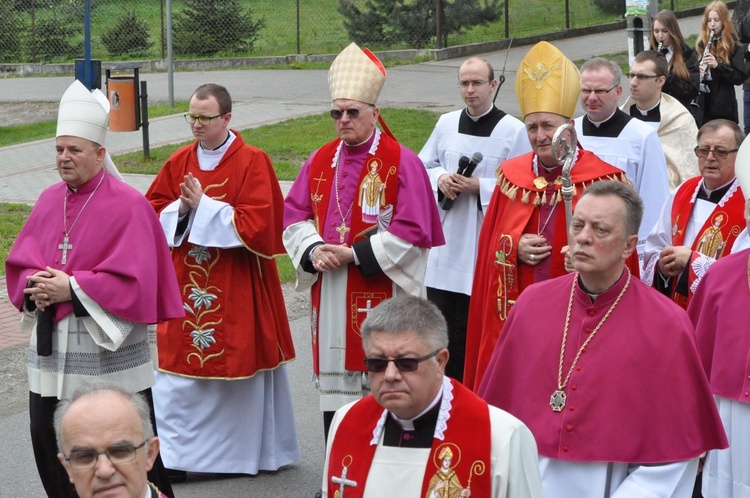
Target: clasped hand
{"type": "Point", "coordinates": [190, 194]}
{"type": "Point", "coordinates": [328, 257]}
{"type": "Point", "coordinates": [48, 287]}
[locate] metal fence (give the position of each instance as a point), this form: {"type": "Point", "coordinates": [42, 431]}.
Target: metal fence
{"type": "Point", "coordinates": [33, 31]}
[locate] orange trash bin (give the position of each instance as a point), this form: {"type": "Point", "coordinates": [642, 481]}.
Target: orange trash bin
{"type": "Point", "coordinates": [122, 101]}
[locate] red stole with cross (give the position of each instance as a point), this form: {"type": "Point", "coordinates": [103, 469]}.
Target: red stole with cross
{"type": "Point", "coordinates": [467, 435]}
{"type": "Point", "coordinates": [716, 236]}
{"type": "Point", "coordinates": [362, 293]}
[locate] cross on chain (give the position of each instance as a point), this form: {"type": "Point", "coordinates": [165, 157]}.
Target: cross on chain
{"type": "Point", "coordinates": [343, 481]}
{"type": "Point", "coordinates": [342, 229]}
{"type": "Point", "coordinates": [65, 246]}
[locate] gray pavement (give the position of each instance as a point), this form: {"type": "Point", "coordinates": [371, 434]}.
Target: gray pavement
{"type": "Point", "coordinates": [261, 96]}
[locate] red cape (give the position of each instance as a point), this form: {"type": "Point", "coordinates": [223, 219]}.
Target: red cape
{"type": "Point", "coordinates": [637, 394]}
{"type": "Point", "coordinates": [119, 256]}
{"type": "Point", "coordinates": [719, 311]}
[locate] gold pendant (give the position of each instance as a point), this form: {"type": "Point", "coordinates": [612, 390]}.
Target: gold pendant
{"type": "Point", "coordinates": [540, 183]}
{"type": "Point", "coordinates": [557, 401]}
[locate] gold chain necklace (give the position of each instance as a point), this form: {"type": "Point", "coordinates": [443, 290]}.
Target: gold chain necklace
{"type": "Point", "coordinates": [558, 398]}
{"type": "Point", "coordinates": [66, 245]}
{"type": "Point", "coordinates": [341, 229]}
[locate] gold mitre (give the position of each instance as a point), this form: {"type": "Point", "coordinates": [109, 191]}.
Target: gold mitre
{"type": "Point", "coordinates": [742, 167]}
{"type": "Point", "coordinates": [81, 115]}
{"type": "Point", "coordinates": [356, 74]}
{"type": "Point", "coordinates": [547, 81]}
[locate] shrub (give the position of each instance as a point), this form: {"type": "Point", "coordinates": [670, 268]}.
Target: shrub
{"type": "Point", "coordinates": [54, 39]}
{"type": "Point", "coordinates": [128, 36]}
{"type": "Point", "coordinates": [11, 30]}
{"type": "Point", "coordinates": [207, 27]}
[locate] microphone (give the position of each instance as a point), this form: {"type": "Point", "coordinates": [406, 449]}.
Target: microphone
{"type": "Point", "coordinates": [466, 168]}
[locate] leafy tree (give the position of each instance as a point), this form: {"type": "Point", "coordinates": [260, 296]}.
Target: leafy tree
{"type": "Point", "coordinates": [412, 22]}
{"type": "Point", "coordinates": [54, 39]}
{"type": "Point", "coordinates": [207, 27]}
{"type": "Point", "coordinates": [129, 36]}
{"type": "Point", "coordinates": [11, 30]}
{"type": "Point", "coordinates": [611, 6]}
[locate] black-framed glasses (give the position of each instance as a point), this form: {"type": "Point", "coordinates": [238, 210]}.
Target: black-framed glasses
{"type": "Point", "coordinates": [597, 91]}
{"type": "Point", "coordinates": [641, 76]}
{"type": "Point", "coordinates": [474, 83]}
{"type": "Point", "coordinates": [377, 365]}
{"type": "Point", "coordinates": [203, 120]}
{"type": "Point", "coordinates": [702, 152]}
{"type": "Point", "coordinates": [86, 458]}
{"type": "Point", "coordinates": [352, 112]}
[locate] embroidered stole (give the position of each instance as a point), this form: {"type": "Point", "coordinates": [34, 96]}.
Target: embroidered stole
{"type": "Point", "coordinates": [716, 236]}
{"type": "Point", "coordinates": [362, 293]}
{"type": "Point", "coordinates": [467, 436]}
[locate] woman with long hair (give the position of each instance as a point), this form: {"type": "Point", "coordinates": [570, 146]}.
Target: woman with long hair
{"type": "Point", "coordinates": [684, 74]}
{"type": "Point", "coordinates": [722, 67]}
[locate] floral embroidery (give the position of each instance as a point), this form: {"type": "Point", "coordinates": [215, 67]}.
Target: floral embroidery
{"type": "Point", "coordinates": [200, 303]}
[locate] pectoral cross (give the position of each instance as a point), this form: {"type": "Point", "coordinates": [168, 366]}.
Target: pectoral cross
{"type": "Point", "coordinates": [557, 401]}
{"type": "Point", "coordinates": [343, 481]}
{"type": "Point", "coordinates": [342, 229]}
{"type": "Point", "coordinates": [65, 246]}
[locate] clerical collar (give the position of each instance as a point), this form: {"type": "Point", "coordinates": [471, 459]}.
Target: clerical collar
{"type": "Point", "coordinates": [220, 146]}
{"type": "Point", "coordinates": [594, 295]}
{"type": "Point", "coordinates": [715, 195]}
{"type": "Point", "coordinates": [477, 118]}
{"type": "Point", "coordinates": [646, 111]}
{"type": "Point", "coordinates": [89, 185]}
{"type": "Point", "coordinates": [361, 143]}
{"type": "Point", "coordinates": [408, 424]}
{"type": "Point", "coordinates": [599, 123]}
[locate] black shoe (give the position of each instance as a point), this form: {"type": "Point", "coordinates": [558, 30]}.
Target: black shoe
{"type": "Point", "coordinates": [319, 494]}
{"type": "Point", "coordinates": [176, 475]}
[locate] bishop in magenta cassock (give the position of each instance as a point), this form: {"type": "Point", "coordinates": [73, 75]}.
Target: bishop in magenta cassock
{"type": "Point", "coordinates": [89, 270]}
{"type": "Point", "coordinates": [359, 222]}
{"type": "Point", "coordinates": [607, 378]}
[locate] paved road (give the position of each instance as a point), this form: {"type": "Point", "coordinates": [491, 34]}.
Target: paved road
{"type": "Point", "coordinates": [262, 96]}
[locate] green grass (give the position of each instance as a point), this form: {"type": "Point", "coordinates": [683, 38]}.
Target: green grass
{"type": "Point", "coordinates": [17, 134]}
{"type": "Point", "coordinates": [12, 218]}
{"type": "Point", "coordinates": [290, 142]}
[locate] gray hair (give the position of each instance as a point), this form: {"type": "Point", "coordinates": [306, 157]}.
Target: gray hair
{"type": "Point", "coordinates": [716, 124]}
{"type": "Point", "coordinates": [597, 63]}
{"type": "Point", "coordinates": [92, 388]}
{"type": "Point", "coordinates": [633, 202]}
{"type": "Point", "coordinates": [408, 314]}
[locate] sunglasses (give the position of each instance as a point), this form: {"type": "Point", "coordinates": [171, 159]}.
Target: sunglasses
{"type": "Point", "coordinates": [378, 365]}
{"type": "Point", "coordinates": [352, 112]}
{"type": "Point", "coordinates": [720, 153]}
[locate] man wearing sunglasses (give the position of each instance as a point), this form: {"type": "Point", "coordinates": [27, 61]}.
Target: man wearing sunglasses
{"type": "Point", "coordinates": [106, 442]}
{"type": "Point", "coordinates": [359, 222]}
{"type": "Point", "coordinates": [458, 135]}
{"type": "Point", "coordinates": [701, 219]}
{"type": "Point", "coordinates": [617, 138]}
{"type": "Point", "coordinates": [421, 433]}
{"type": "Point", "coordinates": [673, 123]}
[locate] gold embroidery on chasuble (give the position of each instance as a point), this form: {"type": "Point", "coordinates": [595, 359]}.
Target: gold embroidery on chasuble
{"type": "Point", "coordinates": [505, 279]}
{"type": "Point", "coordinates": [199, 296]}
{"type": "Point", "coordinates": [676, 226]}
{"type": "Point", "coordinates": [445, 483]}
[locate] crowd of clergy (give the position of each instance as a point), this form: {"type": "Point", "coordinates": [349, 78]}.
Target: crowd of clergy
{"type": "Point", "coordinates": [545, 306]}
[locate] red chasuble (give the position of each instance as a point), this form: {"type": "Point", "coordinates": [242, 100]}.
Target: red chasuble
{"type": "Point", "coordinates": [719, 311]}
{"type": "Point", "coordinates": [499, 277]}
{"type": "Point", "coordinates": [467, 435]}
{"type": "Point", "coordinates": [236, 322]}
{"type": "Point", "coordinates": [362, 292]}
{"type": "Point", "coordinates": [636, 395]}
{"type": "Point", "coordinates": [714, 239]}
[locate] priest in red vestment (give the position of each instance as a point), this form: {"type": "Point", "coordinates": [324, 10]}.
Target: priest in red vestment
{"type": "Point", "coordinates": [719, 311]}
{"type": "Point", "coordinates": [420, 433]}
{"type": "Point", "coordinates": [524, 228]}
{"type": "Point", "coordinates": [604, 370]}
{"type": "Point", "coordinates": [701, 219]}
{"type": "Point", "coordinates": [90, 271]}
{"type": "Point", "coordinates": [359, 222]}
{"type": "Point", "coordinates": [222, 395]}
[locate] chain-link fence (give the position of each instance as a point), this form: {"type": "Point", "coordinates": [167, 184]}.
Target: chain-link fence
{"type": "Point", "coordinates": [33, 31]}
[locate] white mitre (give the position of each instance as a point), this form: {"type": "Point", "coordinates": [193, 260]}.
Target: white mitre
{"type": "Point", "coordinates": [82, 115]}
{"type": "Point", "coordinates": [356, 74]}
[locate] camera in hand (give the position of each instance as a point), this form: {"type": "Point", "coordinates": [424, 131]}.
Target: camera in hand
{"type": "Point", "coordinates": [466, 168]}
